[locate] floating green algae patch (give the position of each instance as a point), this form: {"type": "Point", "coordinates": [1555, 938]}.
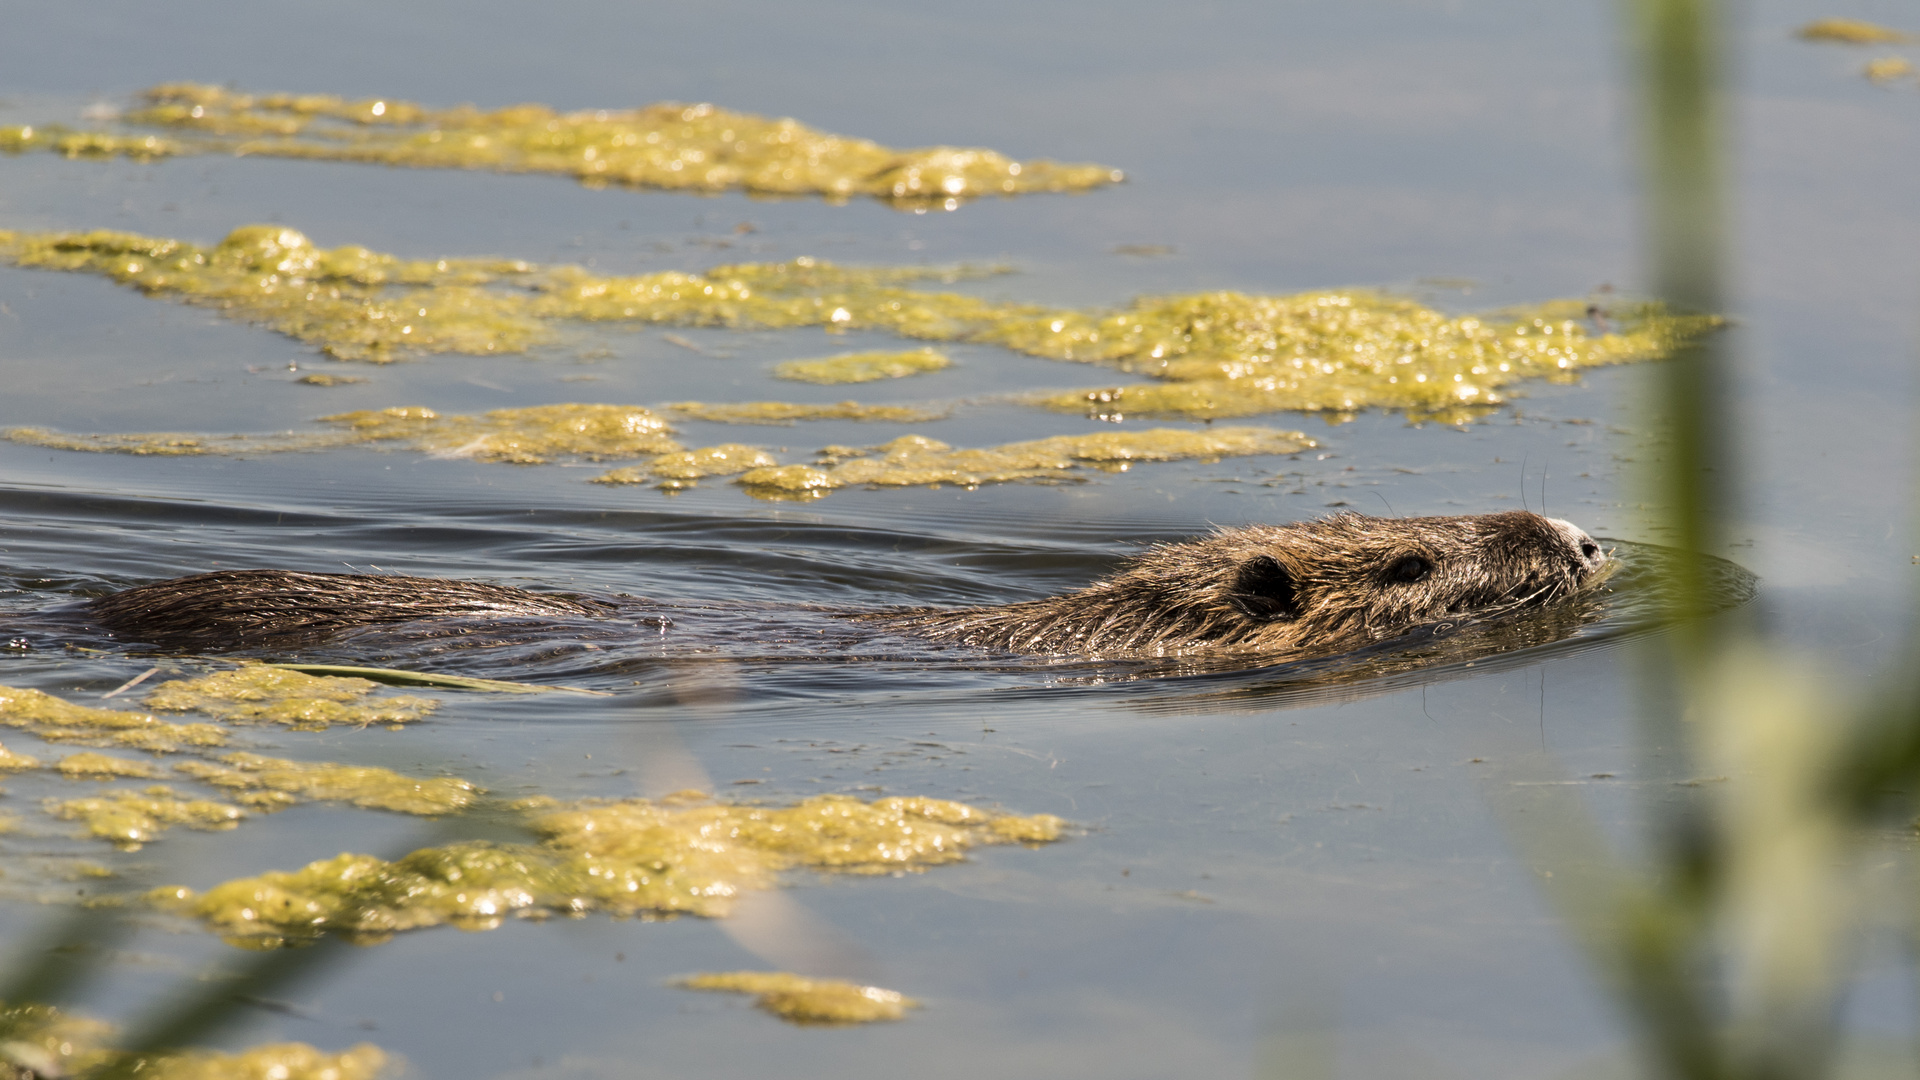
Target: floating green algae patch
{"type": "Point", "coordinates": [1851, 32]}
{"type": "Point", "coordinates": [681, 855]}
{"type": "Point", "coordinates": [351, 302]}
{"type": "Point", "coordinates": [533, 435]}
{"type": "Point", "coordinates": [1213, 355]}
{"type": "Point", "coordinates": [1888, 69]}
{"type": "Point", "coordinates": [786, 412]}
{"type": "Point", "coordinates": [132, 818]}
{"type": "Point", "coordinates": [670, 146]}
{"type": "Point", "coordinates": [685, 468]}
{"type": "Point", "coordinates": [799, 293]}
{"type": "Point", "coordinates": [274, 1061]}
{"type": "Point", "coordinates": [1230, 354]}
{"type": "Point", "coordinates": [91, 766]}
{"type": "Point", "coordinates": [54, 720]}
{"type": "Point", "coordinates": [800, 1000]}
{"type": "Point", "coordinates": [863, 367]}
{"type": "Point", "coordinates": [723, 460]}
{"type": "Point", "coordinates": [257, 693]}
{"type": "Point", "coordinates": [915, 460]}
{"type": "Point", "coordinates": [78, 144]}
{"type": "Point", "coordinates": [50, 1042]}
{"type": "Point", "coordinates": [525, 436]}
{"type": "Point", "coordinates": [42, 1041]}
{"type": "Point", "coordinates": [168, 443]}
{"type": "Point", "coordinates": [162, 443]}
{"type": "Point", "coordinates": [12, 762]}
{"type": "Point", "coordinates": [270, 783]}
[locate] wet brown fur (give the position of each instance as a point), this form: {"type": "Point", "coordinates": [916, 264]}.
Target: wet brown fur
{"type": "Point", "coordinates": [232, 608]}
{"type": "Point", "coordinates": [1311, 588]}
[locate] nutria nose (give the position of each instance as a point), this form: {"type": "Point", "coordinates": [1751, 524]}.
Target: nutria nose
{"type": "Point", "coordinates": [1591, 556]}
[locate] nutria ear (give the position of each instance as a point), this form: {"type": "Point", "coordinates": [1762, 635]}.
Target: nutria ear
{"type": "Point", "coordinates": [1262, 589]}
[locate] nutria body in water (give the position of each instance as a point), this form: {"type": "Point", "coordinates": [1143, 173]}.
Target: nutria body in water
{"type": "Point", "coordinates": [1313, 588]}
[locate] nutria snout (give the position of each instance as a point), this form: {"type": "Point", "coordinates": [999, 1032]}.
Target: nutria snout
{"type": "Point", "coordinates": [1313, 588]}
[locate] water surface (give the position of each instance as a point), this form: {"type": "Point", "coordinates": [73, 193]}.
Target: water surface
{"type": "Point", "coordinates": [1246, 859]}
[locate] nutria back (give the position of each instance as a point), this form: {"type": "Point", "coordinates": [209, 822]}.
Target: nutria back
{"type": "Point", "coordinates": [239, 608]}
{"type": "Point", "coordinates": [1313, 588]}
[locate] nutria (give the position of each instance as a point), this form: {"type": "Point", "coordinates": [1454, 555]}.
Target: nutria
{"type": "Point", "coordinates": [1313, 588]}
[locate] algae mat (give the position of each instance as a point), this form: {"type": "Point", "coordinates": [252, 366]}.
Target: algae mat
{"type": "Point", "coordinates": [546, 433]}
{"type": "Point", "coordinates": [668, 146]}
{"type": "Point", "coordinates": [40, 1040]}
{"type": "Point", "coordinates": [680, 855]}
{"type": "Point", "coordinates": [1210, 355]}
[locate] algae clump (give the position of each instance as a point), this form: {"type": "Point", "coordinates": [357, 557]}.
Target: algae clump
{"type": "Point", "coordinates": [54, 720]}
{"type": "Point", "coordinates": [353, 303]}
{"type": "Point", "coordinates": [532, 435]}
{"type": "Point", "coordinates": [1214, 355]}
{"type": "Point", "coordinates": [90, 766]}
{"type": "Point", "coordinates": [168, 443]}
{"type": "Point", "coordinates": [12, 762]}
{"type": "Point", "coordinates": [43, 1041]}
{"type": "Point", "coordinates": [723, 460]}
{"type": "Point", "coordinates": [633, 857]}
{"type": "Point", "coordinates": [1888, 69]}
{"type": "Point", "coordinates": [800, 1000]}
{"type": "Point", "coordinates": [270, 783]}
{"type": "Point", "coordinates": [525, 436]}
{"type": "Point", "coordinates": [49, 1042]}
{"type": "Point", "coordinates": [781, 413]}
{"type": "Point", "coordinates": [683, 468]}
{"type": "Point", "coordinates": [274, 1061]}
{"type": "Point", "coordinates": [131, 818]}
{"type": "Point", "coordinates": [670, 146]}
{"type": "Point", "coordinates": [863, 367]}
{"type": "Point", "coordinates": [257, 693]}
{"type": "Point", "coordinates": [1851, 32]}
{"type": "Point", "coordinates": [1221, 355]}
{"type": "Point", "coordinates": [67, 142]}
{"type": "Point", "coordinates": [915, 460]}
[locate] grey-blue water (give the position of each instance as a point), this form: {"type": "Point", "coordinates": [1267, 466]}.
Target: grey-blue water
{"type": "Point", "coordinates": [1243, 861]}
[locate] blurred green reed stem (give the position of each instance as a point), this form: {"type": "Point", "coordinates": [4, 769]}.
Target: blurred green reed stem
{"type": "Point", "coordinates": [1732, 952]}
{"type": "Point", "coordinates": [1677, 46]}
{"type": "Point", "coordinates": [1660, 932]}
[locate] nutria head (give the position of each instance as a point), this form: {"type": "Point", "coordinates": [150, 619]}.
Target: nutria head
{"type": "Point", "coordinates": [1309, 589]}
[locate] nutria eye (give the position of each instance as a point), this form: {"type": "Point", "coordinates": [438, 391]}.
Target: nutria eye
{"type": "Point", "coordinates": [1409, 569]}
{"type": "Point", "coordinates": [1589, 549]}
